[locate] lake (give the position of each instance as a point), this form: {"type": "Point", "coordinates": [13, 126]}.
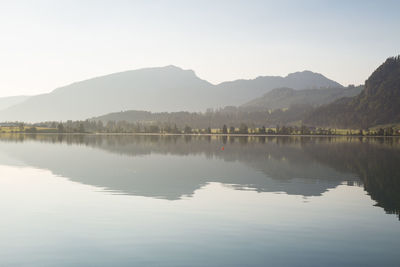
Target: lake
{"type": "Point", "coordinates": [115, 200]}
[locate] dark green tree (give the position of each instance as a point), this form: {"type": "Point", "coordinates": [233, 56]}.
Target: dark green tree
{"type": "Point", "coordinates": [224, 129]}
{"type": "Point", "coordinates": [176, 130]}
{"type": "Point", "coordinates": [389, 131]}
{"type": "Point", "coordinates": [187, 130]}
{"type": "Point", "coordinates": [60, 128]}
{"type": "Point", "coordinates": [81, 128]}
{"type": "Point", "coordinates": [243, 129]}
{"type": "Point", "coordinates": [21, 127]}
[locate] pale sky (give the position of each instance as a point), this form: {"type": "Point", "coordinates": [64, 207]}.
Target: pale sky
{"type": "Point", "coordinates": [48, 44]}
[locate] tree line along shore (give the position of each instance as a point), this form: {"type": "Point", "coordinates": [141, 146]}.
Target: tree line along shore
{"type": "Point", "coordinates": [123, 127]}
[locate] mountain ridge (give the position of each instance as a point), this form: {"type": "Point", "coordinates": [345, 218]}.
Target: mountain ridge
{"type": "Point", "coordinates": [157, 89]}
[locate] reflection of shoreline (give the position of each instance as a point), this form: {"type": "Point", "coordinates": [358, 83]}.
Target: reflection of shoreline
{"type": "Point", "coordinates": [320, 163]}
{"type": "Point", "coordinates": [296, 140]}
{"type": "Point", "coordinates": [263, 164]}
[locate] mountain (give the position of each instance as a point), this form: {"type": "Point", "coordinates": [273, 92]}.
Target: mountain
{"type": "Point", "coordinates": [156, 89]}
{"type": "Point", "coordinates": [377, 104]}
{"type": "Point", "coordinates": [166, 88]}
{"type": "Point", "coordinates": [280, 98]}
{"type": "Point", "coordinates": [6, 102]}
{"type": "Point", "coordinates": [263, 162]}
{"type": "Point", "coordinates": [311, 167]}
{"type": "Point", "coordinates": [241, 91]}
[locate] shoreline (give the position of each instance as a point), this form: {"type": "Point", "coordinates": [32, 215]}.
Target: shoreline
{"type": "Point", "coordinates": [215, 134]}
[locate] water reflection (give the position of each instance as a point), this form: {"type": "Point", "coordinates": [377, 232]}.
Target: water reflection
{"type": "Point", "coordinates": [179, 165]}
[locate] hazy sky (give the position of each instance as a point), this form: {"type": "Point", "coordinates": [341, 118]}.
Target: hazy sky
{"type": "Point", "coordinates": [47, 44]}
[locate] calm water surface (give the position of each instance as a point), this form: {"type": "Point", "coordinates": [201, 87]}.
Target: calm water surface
{"type": "Point", "coordinates": [184, 201]}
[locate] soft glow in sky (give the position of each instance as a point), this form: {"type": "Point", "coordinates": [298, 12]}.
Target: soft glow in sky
{"type": "Point", "coordinates": [47, 44]}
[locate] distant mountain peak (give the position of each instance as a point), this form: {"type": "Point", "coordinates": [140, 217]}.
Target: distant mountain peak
{"type": "Point", "coordinates": [313, 78]}
{"type": "Point", "coordinates": [168, 70]}
{"type": "Point", "coordinates": [171, 67]}
{"type": "Point", "coordinates": [304, 72]}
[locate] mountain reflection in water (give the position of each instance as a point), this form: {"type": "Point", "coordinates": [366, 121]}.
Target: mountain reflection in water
{"type": "Point", "coordinates": [179, 165]}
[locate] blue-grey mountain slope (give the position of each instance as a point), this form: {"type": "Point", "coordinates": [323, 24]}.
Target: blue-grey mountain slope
{"type": "Point", "coordinates": [154, 89]}
{"type": "Point", "coordinates": [242, 91]}
{"type": "Point", "coordinates": [6, 102]}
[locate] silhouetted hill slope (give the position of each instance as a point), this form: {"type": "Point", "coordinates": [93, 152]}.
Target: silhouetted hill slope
{"type": "Point", "coordinates": [378, 103]}
{"type": "Point", "coordinates": [230, 116]}
{"type": "Point", "coordinates": [256, 112]}
{"type": "Point", "coordinates": [286, 97]}
{"type": "Point", "coordinates": [6, 102]}
{"type": "Point", "coordinates": [183, 118]}
{"type": "Point", "coordinates": [166, 88]}
{"type": "Point", "coordinates": [155, 89]}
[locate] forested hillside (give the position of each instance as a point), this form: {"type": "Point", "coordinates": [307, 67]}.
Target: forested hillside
{"type": "Point", "coordinates": [286, 97]}
{"type": "Point", "coordinates": [377, 104]}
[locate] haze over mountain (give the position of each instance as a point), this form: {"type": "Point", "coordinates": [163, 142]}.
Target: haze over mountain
{"type": "Point", "coordinates": [6, 102]}
{"type": "Point", "coordinates": [154, 89]}
{"type": "Point", "coordinates": [377, 104]}
{"type": "Point", "coordinates": [242, 91]}
{"type": "Point", "coordinates": [286, 97]}
{"type": "Point", "coordinates": [255, 112]}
